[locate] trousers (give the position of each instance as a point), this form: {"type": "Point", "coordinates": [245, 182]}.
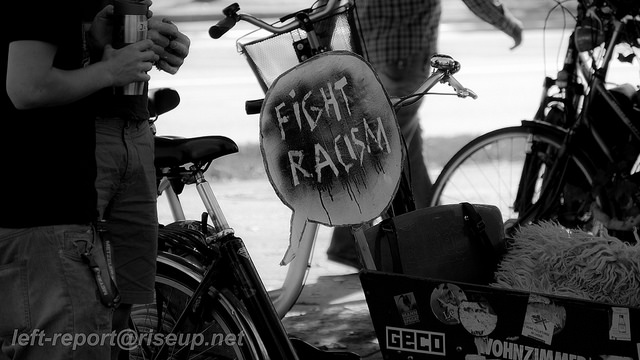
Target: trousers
{"type": "Point", "coordinates": [49, 301]}
{"type": "Point", "coordinates": [127, 193]}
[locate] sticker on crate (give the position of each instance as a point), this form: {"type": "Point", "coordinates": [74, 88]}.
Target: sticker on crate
{"type": "Point", "coordinates": [543, 319]}
{"type": "Point", "coordinates": [495, 323]}
{"type": "Point", "coordinates": [408, 308]}
{"type": "Point", "coordinates": [620, 324]}
{"type": "Point", "coordinates": [488, 348]}
{"type": "Point", "coordinates": [477, 316]}
{"type": "Point", "coordinates": [330, 143]}
{"type": "Point", "coordinates": [416, 341]}
{"type": "Point", "coordinates": [445, 303]}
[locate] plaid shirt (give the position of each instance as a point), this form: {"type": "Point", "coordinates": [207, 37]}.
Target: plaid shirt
{"type": "Point", "coordinates": [395, 30]}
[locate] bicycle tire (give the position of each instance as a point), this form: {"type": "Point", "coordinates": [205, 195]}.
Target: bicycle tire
{"type": "Point", "coordinates": [224, 332]}
{"type": "Point", "coordinates": [488, 170]}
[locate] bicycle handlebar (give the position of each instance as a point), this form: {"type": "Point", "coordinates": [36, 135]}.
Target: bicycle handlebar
{"type": "Point", "coordinates": [224, 25]}
{"type": "Point", "coordinates": [232, 16]}
{"type": "Point", "coordinates": [439, 75]}
{"type": "Point", "coordinates": [253, 107]}
{"type": "Point", "coordinates": [444, 65]}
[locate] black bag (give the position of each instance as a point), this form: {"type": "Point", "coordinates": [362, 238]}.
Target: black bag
{"type": "Point", "coordinates": [460, 242]}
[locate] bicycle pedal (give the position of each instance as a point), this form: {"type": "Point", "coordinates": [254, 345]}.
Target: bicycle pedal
{"type": "Point", "coordinates": [309, 352]}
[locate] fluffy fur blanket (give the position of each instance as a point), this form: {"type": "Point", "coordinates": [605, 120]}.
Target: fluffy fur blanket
{"type": "Point", "coordinates": [547, 258]}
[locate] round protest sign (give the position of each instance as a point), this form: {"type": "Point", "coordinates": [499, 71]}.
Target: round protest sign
{"type": "Point", "coordinates": [330, 143]}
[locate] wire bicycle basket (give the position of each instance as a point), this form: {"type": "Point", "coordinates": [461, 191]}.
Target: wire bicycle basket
{"type": "Point", "coordinates": [269, 55]}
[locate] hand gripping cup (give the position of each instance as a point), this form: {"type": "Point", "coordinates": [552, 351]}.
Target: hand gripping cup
{"type": "Point", "coordinates": [330, 143]}
{"type": "Point", "coordinates": [130, 26]}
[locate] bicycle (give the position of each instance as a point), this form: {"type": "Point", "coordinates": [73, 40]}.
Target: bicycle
{"type": "Point", "coordinates": [574, 162]}
{"type": "Point", "coordinates": [206, 284]}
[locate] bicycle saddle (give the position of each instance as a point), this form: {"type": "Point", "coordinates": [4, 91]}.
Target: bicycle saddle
{"type": "Point", "coordinates": [177, 151]}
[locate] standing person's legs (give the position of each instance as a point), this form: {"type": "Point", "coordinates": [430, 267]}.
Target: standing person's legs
{"type": "Point", "coordinates": [399, 80]}
{"type": "Point", "coordinates": [127, 195]}
{"type": "Point", "coordinates": [49, 303]}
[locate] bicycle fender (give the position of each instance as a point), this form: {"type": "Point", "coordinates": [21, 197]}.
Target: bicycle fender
{"type": "Point", "coordinates": [556, 130]}
{"type": "Point", "coordinates": [183, 265]}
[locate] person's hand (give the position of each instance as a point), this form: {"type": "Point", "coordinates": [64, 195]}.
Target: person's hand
{"type": "Point", "coordinates": [515, 30]}
{"type": "Point", "coordinates": [516, 35]}
{"type": "Point", "coordinates": [101, 32]}
{"type": "Point", "coordinates": [170, 44]}
{"type": "Point", "coordinates": [130, 63]}
{"type": "Point", "coordinates": [149, 12]}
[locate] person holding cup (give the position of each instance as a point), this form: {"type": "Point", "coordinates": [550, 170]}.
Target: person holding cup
{"type": "Point", "coordinates": [126, 177]}
{"type": "Point", "coordinates": [48, 239]}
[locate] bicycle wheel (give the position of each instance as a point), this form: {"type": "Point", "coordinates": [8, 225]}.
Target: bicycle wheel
{"type": "Point", "coordinates": [219, 332]}
{"type": "Point", "coordinates": [508, 168]}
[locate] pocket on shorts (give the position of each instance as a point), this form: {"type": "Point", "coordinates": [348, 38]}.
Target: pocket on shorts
{"type": "Point", "coordinates": [14, 298]}
{"type": "Point", "coordinates": [76, 242]}
{"type": "Point", "coordinates": [77, 271]}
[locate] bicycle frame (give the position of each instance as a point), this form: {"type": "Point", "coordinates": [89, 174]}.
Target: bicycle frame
{"type": "Point", "coordinates": [235, 259]}
{"type": "Point", "coordinates": [232, 267]}
{"type": "Point", "coordinates": [298, 269]}
{"type": "Point", "coordinates": [576, 107]}
{"type": "Point", "coordinates": [597, 85]}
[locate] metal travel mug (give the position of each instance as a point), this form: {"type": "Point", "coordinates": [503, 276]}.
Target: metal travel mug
{"type": "Point", "coordinates": [130, 26]}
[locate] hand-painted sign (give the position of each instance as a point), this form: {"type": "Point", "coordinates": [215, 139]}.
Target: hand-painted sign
{"type": "Point", "coordinates": [330, 143]}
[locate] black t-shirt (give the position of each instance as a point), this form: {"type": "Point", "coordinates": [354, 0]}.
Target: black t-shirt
{"type": "Point", "coordinates": [47, 155]}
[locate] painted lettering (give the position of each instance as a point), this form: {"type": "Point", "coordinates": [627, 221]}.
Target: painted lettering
{"type": "Point", "coordinates": [296, 109]}
{"type": "Point", "coordinates": [377, 138]}
{"type": "Point", "coordinates": [374, 144]}
{"type": "Point", "coordinates": [340, 85]}
{"type": "Point", "coordinates": [545, 354]}
{"type": "Point", "coordinates": [331, 100]}
{"type": "Point", "coordinates": [529, 353]}
{"type": "Point", "coordinates": [513, 351]}
{"type": "Point", "coordinates": [416, 341]}
{"type": "Point", "coordinates": [320, 164]}
{"type": "Point", "coordinates": [338, 148]}
{"type": "Point", "coordinates": [310, 120]}
{"type": "Point", "coordinates": [358, 143]}
{"type": "Point", "coordinates": [295, 162]}
{"type": "Point", "coordinates": [282, 119]}
{"type": "Point", "coordinates": [345, 166]}
{"type": "Point", "coordinates": [312, 113]}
